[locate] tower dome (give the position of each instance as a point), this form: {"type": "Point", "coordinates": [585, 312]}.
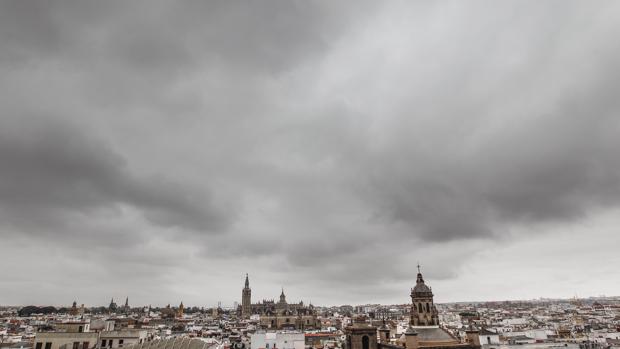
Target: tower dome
{"type": "Point", "coordinates": [423, 310]}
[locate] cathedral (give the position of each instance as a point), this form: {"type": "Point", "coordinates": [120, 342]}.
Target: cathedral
{"type": "Point", "coordinates": [278, 315]}
{"type": "Point", "coordinates": [424, 331]}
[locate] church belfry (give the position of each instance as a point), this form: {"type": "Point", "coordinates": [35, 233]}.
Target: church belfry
{"type": "Point", "coordinates": [246, 298]}
{"type": "Point", "coordinates": [423, 310]}
{"type": "Point", "coordinates": [282, 296]}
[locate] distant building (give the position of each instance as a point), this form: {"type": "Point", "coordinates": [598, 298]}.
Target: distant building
{"type": "Point", "coordinates": [181, 310]}
{"type": "Point", "coordinates": [112, 308]}
{"type": "Point", "coordinates": [126, 308]}
{"type": "Point", "coordinates": [280, 315]}
{"type": "Point", "coordinates": [74, 309]}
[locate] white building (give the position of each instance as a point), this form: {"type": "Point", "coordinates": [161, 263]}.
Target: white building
{"type": "Point", "coordinates": [65, 340]}
{"type": "Point", "coordinates": [278, 340]}
{"type": "Point", "coordinates": [121, 338]}
{"type": "Point", "coordinates": [488, 337]}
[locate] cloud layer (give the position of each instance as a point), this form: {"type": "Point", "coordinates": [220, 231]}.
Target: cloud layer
{"type": "Point", "coordinates": [324, 147]}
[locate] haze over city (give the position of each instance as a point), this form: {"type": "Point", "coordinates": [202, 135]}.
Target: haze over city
{"type": "Point", "coordinates": [161, 150]}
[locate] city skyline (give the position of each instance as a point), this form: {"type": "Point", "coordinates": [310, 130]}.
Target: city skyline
{"type": "Point", "coordinates": [238, 303]}
{"type": "Point", "coordinates": [162, 150]}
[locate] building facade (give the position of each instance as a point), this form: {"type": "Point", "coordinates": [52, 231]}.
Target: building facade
{"type": "Point", "coordinates": [278, 315]}
{"type": "Point", "coordinates": [278, 340]}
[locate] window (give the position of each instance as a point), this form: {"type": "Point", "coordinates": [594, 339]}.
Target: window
{"type": "Point", "coordinates": [48, 345]}
{"type": "Point", "coordinates": [81, 329]}
{"type": "Point", "coordinates": [76, 345]}
{"type": "Point", "coordinates": [103, 343]}
{"type": "Point", "coordinates": [39, 345]}
{"type": "Point", "coordinates": [120, 342]}
{"type": "Point", "coordinates": [85, 345]}
{"type": "Point", "coordinates": [267, 345]}
{"type": "Point", "coordinates": [365, 342]}
{"type": "Point", "coordinates": [110, 343]}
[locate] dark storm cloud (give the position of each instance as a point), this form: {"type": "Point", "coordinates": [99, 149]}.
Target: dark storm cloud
{"type": "Point", "coordinates": [51, 168]}
{"type": "Point", "coordinates": [317, 143]}
{"type": "Point", "coordinates": [166, 36]}
{"type": "Point", "coordinates": [553, 167]}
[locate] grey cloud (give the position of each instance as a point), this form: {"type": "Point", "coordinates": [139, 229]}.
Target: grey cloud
{"type": "Point", "coordinates": [51, 169]}
{"type": "Point", "coordinates": [321, 145]}
{"type": "Point", "coordinates": [168, 36]}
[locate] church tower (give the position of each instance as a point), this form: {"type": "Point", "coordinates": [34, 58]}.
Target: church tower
{"type": "Point", "coordinates": [281, 306]}
{"type": "Point", "coordinates": [361, 335]}
{"type": "Point", "coordinates": [246, 299]}
{"type": "Point", "coordinates": [74, 309]}
{"type": "Point", "coordinates": [181, 310]}
{"type": "Point", "coordinates": [282, 297]}
{"type": "Point", "coordinates": [423, 310]}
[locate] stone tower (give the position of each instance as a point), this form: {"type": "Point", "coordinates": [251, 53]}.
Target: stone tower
{"type": "Point", "coordinates": [246, 299]}
{"type": "Point", "coordinates": [423, 310]}
{"type": "Point", "coordinates": [361, 335]}
{"type": "Point", "coordinates": [282, 297]}
{"type": "Point", "coordinates": [74, 309]}
{"type": "Point", "coordinates": [282, 306]}
{"type": "Point", "coordinates": [181, 310]}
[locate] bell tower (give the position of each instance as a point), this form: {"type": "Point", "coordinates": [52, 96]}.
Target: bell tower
{"type": "Point", "coordinates": [423, 310]}
{"type": "Point", "coordinates": [246, 299]}
{"type": "Point", "coordinates": [360, 335]}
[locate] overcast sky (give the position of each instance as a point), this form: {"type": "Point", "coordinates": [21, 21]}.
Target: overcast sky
{"type": "Point", "coordinates": [161, 150]}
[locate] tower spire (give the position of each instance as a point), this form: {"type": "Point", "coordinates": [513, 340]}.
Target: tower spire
{"type": "Point", "coordinates": [247, 281]}
{"type": "Point", "coordinates": [282, 296]}
{"type": "Point", "coordinates": [419, 279]}
{"type": "Point", "coordinates": [423, 311]}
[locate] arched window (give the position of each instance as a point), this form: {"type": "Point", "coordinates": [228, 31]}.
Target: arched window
{"type": "Point", "coordinates": [420, 308]}
{"type": "Point", "coordinates": [428, 308]}
{"type": "Point", "coordinates": [365, 343]}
